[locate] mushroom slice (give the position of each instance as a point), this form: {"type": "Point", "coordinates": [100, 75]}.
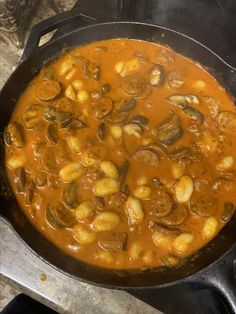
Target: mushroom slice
{"type": "Point", "coordinates": [156, 75]}
{"type": "Point", "coordinates": [32, 118]}
{"type": "Point", "coordinates": [113, 242]}
{"type": "Point", "coordinates": [14, 134]}
{"type": "Point", "coordinates": [139, 119]}
{"type": "Point", "coordinates": [170, 261]}
{"type": "Point", "coordinates": [226, 121]}
{"type": "Point", "coordinates": [101, 131]}
{"type": "Point", "coordinates": [122, 175]}
{"type": "Point", "coordinates": [50, 113]}
{"type": "Point", "coordinates": [176, 217]}
{"type": "Point", "coordinates": [73, 123]}
{"type": "Point", "coordinates": [133, 84]}
{"type": "Point", "coordinates": [51, 133]}
{"type": "Point", "coordinates": [228, 212]}
{"type": "Point", "coordinates": [148, 156]}
{"type": "Point", "coordinates": [194, 114]}
{"type": "Point", "coordinates": [102, 107]}
{"type": "Point", "coordinates": [48, 90]}
{"type": "Point", "coordinates": [156, 226]}
{"type": "Point", "coordinates": [171, 136]}
{"type": "Point", "coordinates": [29, 192]}
{"type": "Point", "coordinates": [125, 105]}
{"type": "Point", "coordinates": [203, 206]}
{"type": "Point", "coordinates": [70, 197]}
{"type": "Point", "coordinates": [192, 99]}
{"type": "Point", "coordinates": [116, 117]}
{"type": "Point", "coordinates": [20, 179]}
{"type": "Point", "coordinates": [177, 100]}
{"type": "Point", "coordinates": [58, 216]}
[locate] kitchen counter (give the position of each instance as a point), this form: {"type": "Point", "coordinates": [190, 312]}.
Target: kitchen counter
{"type": "Point", "coordinates": [19, 265]}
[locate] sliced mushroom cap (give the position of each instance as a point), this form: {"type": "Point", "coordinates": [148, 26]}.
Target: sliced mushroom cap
{"type": "Point", "coordinates": [123, 170]}
{"type": "Point", "coordinates": [50, 113]}
{"type": "Point", "coordinates": [192, 99]}
{"type": "Point", "coordinates": [171, 122]}
{"type": "Point", "coordinates": [203, 206]}
{"type": "Point", "coordinates": [133, 84]}
{"type": "Point", "coordinates": [125, 105]}
{"type": "Point", "coordinates": [20, 179]}
{"type": "Point", "coordinates": [30, 189]}
{"type": "Point", "coordinates": [102, 107]}
{"type": "Point", "coordinates": [169, 131]}
{"type": "Point", "coordinates": [228, 212]}
{"type": "Point", "coordinates": [70, 196]}
{"type": "Point", "coordinates": [51, 133]}
{"type": "Point", "coordinates": [40, 178]}
{"type": "Point", "coordinates": [65, 104]}
{"type": "Point", "coordinates": [14, 134]}
{"type": "Point", "coordinates": [113, 242]}
{"type": "Point", "coordinates": [101, 132]}
{"type": "Point", "coordinates": [156, 75]}
{"type": "Point", "coordinates": [171, 136]}
{"type": "Point", "coordinates": [58, 216]}
{"type": "Point", "coordinates": [73, 123]}
{"type": "Point", "coordinates": [170, 261]}
{"type": "Point", "coordinates": [194, 114]}
{"type": "Point", "coordinates": [139, 119]}
{"type": "Point", "coordinates": [171, 230]}
{"type": "Point", "coordinates": [226, 121]}
{"type": "Point", "coordinates": [177, 100]}
{"type": "Point", "coordinates": [176, 217]}
{"type": "Point", "coordinates": [147, 156]}
{"type": "Point", "coordinates": [116, 117]}
{"type": "Point", "coordinates": [48, 90]}
{"type": "Point", "coordinates": [32, 118]}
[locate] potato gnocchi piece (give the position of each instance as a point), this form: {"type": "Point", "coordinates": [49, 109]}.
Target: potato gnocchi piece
{"type": "Point", "coordinates": [116, 131]}
{"type": "Point", "coordinates": [110, 169]}
{"type": "Point", "coordinates": [184, 189]}
{"type": "Point", "coordinates": [71, 172]}
{"type": "Point", "coordinates": [143, 192]}
{"type": "Point", "coordinates": [149, 257]}
{"type": "Point", "coordinates": [105, 256]}
{"type": "Point", "coordinates": [134, 210]}
{"type": "Point", "coordinates": [74, 143]}
{"type": "Point", "coordinates": [135, 251]}
{"type": "Point", "coordinates": [84, 210]}
{"type": "Point", "coordinates": [209, 228]}
{"type": "Point", "coordinates": [106, 221]}
{"type": "Point", "coordinates": [162, 240]}
{"type": "Point", "coordinates": [106, 186]}
{"type": "Point", "coordinates": [177, 170]}
{"type": "Point", "coordinates": [225, 163]}
{"type": "Point", "coordinates": [15, 162]}
{"type": "Point", "coordinates": [70, 92]}
{"type": "Point", "coordinates": [84, 235]}
{"type": "Point", "coordinates": [182, 242]}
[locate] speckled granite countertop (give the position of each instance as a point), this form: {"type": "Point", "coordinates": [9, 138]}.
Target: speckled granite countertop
{"type": "Point", "coordinates": [19, 265]}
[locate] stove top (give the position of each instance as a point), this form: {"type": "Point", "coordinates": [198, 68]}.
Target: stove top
{"type": "Point", "coordinates": [213, 23]}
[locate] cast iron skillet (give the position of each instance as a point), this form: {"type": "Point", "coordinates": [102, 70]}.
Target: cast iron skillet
{"type": "Point", "coordinates": [213, 265]}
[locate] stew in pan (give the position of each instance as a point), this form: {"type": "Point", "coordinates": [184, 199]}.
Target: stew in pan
{"type": "Point", "coordinates": [123, 154]}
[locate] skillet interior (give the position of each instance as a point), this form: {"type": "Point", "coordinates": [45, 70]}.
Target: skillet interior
{"type": "Point", "coordinates": [9, 207]}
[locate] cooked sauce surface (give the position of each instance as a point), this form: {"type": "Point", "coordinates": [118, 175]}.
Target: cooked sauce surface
{"type": "Point", "coordinates": [123, 154]}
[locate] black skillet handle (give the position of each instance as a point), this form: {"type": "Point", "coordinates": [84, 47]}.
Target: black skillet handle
{"type": "Point", "coordinates": [84, 16]}
{"type": "Point", "coordinates": [221, 277]}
